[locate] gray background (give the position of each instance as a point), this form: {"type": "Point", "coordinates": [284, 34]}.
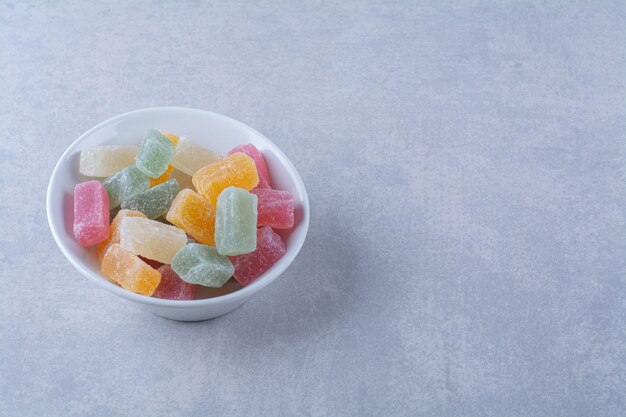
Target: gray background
{"type": "Point", "coordinates": [465, 165]}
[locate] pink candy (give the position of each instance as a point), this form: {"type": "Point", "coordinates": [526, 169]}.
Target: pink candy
{"type": "Point", "coordinates": [250, 150]}
{"type": "Point", "coordinates": [91, 213]}
{"type": "Point", "coordinates": [269, 249]}
{"type": "Point", "coordinates": [172, 287]}
{"type": "Point", "coordinates": [275, 208]}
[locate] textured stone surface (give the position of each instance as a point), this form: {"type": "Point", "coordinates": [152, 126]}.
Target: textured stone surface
{"type": "Point", "coordinates": [477, 265]}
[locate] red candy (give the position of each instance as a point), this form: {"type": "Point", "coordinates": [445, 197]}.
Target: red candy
{"type": "Point", "coordinates": [269, 249]}
{"type": "Point", "coordinates": [172, 287]}
{"type": "Point", "coordinates": [151, 262]}
{"type": "Point", "coordinates": [91, 213]}
{"type": "Point", "coordinates": [275, 208]}
{"type": "Point", "coordinates": [250, 150]}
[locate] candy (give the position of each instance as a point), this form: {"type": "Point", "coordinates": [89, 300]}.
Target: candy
{"type": "Point", "coordinates": [194, 215]}
{"type": "Point", "coordinates": [201, 264]}
{"type": "Point", "coordinates": [125, 184]}
{"type": "Point", "coordinates": [235, 222]}
{"type": "Point", "coordinates": [250, 150]}
{"type": "Point", "coordinates": [130, 272]}
{"type": "Point", "coordinates": [270, 248]}
{"type": "Point", "coordinates": [154, 154]}
{"type": "Point", "coordinates": [155, 201]}
{"type": "Point", "coordinates": [172, 287]}
{"type": "Point", "coordinates": [151, 238]}
{"type": "Point", "coordinates": [104, 161]}
{"type": "Point", "coordinates": [114, 236]}
{"type": "Point", "coordinates": [236, 170]}
{"type": "Point", "coordinates": [172, 137]}
{"type": "Point", "coordinates": [91, 213]}
{"type": "Point", "coordinates": [184, 180]}
{"type": "Point", "coordinates": [275, 208]}
{"type": "Point", "coordinates": [151, 262]}
{"type": "Point", "coordinates": [189, 157]}
{"type": "Point", "coordinates": [168, 172]}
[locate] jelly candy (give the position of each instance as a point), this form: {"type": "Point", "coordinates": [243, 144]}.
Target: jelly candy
{"type": "Point", "coordinates": [189, 157]}
{"type": "Point", "coordinates": [235, 222]}
{"type": "Point", "coordinates": [236, 170]}
{"type": "Point", "coordinates": [125, 184]}
{"type": "Point", "coordinates": [184, 180]}
{"type": "Point", "coordinates": [104, 161]}
{"type": "Point", "coordinates": [154, 202]}
{"type": "Point", "coordinates": [251, 150]}
{"type": "Point", "coordinates": [91, 213]}
{"type": "Point", "coordinates": [154, 154]}
{"type": "Point", "coordinates": [168, 171]}
{"type": "Point", "coordinates": [114, 236]}
{"type": "Point", "coordinates": [172, 137]}
{"type": "Point", "coordinates": [194, 215]}
{"type": "Point", "coordinates": [201, 264]}
{"type": "Point", "coordinates": [172, 287]}
{"type": "Point", "coordinates": [151, 239]}
{"type": "Point", "coordinates": [270, 248]}
{"type": "Point", "coordinates": [130, 272]}
{"type": "Point", "coordinates": [151, 262]}
{"type": "Point", "coordinates": [275, 208]}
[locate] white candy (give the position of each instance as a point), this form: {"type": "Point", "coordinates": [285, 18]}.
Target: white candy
{"type": "Point", "coordinates": [104, 161]}
{"type": "Point", "coordinates": [189, 157]}
{"type": "Point", "coordinates": [151, 239]}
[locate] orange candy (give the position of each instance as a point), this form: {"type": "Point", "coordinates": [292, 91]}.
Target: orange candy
{"type": "Point", "coordinates": [236, 170]}
{"type": "Point", "coordinates": [114, 237]}
{"type": "Point", "coordinates": [130, 272]}
{"type": "Point", "coordinates": [166, 175]}
{"type": "Point", "coordinates": [194, 215]}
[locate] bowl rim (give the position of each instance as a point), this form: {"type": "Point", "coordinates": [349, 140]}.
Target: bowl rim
{"type": "Point", "coordinates": [239, 295]}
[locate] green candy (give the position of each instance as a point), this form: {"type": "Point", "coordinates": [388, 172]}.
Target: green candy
{"type": "Point", "coordinates": [201, 264]}
{"type": "Point", "coordinates": [154, 154]}
{"type": "Point", "coordinates": [154, 202]}
{"type": "Point", "coordinates": [125, 184]}
{"type": "Point", "coordinates": [235, 222]}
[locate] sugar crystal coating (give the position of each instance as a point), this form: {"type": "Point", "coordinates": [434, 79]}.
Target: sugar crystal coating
{"type": "Point", "coordinates": [236, 170]}
{"type": "Point", "coordinates": [154, 202]}
{"type": "Point", "coordinates": [201, 264]}
{"type": "Point", "coordinates": [125, 184]}
{"type": "Point", "coordinates": [130, 272]}
{"type": "Point", "coordinates": [114, 236]}
{"type": "Point", "coordinates": [235, 222]}
{"type": "Point", "coordinates": [270, 248]}
{"type": "Point", "coordinates": [151, 239]}
{"type": "Point", "coordinates": [104, 161]}
{"type": "Point", "coordinates": [154, 154]}
{"type": "Point", "coordinates": [168, 171]}
{"type": "Point", "coordinates": [189, 157]}
{"type": "Point", "coordinates": [172, 287]}
{"type": "Point", "coordinates": [194, 215]}
{"type": "Point", "coordinates": [251, 150]}
{"type": "Point", "coordinates": [91, 213]}
{"type": "Point", "coordinates": [275, 208]}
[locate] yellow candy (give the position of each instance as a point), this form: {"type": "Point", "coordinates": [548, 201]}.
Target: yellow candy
{"type": "Point", "coordinates": [129, 271]}
{"type": "Point", "coordinates": [194, 215]}
{"type": "Point", "coordinates": [114, 237]}
{"type": "Point", "coordinates": [166, 175]}
{"type": "Point", "coordinates": [236, 170]}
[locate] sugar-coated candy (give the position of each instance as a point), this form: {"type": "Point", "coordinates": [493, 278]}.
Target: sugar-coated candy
{"type": "Point", "coordinates": [251, 150]}
{"type": "Point", "coordinates": [236, 170]}
{"type": "Point", "coordinates": [154, 202]}
{"type": "Point", "coordinates": [235, 222]}
{"type": "Point", "coordinates": [172, 137]}
{"type": "Point", "coordinates": [201, 264]}
{"type": "Point", "coordinates": [172, 287]}
{"type": "Point", "coordinates": [154, 154]}
{"type": "Point", "coordinates": [151, 262]}
{"type": "Point", "coordinates": [189, 157]}
{"type": "Point", "coordinates": [125, 184]}
{"type": "Point", "coordinates": [184, 180]}
{"type": "Point", "coordinates": [275, 208]}
{"type": "Point", "coordinates": [270, 248]}
{"type": "Point", "coordinates": [168, 171]}
{"type": "Point", "coordinates": [130, 272]}
{"type": "Point", "coordinates": [114, 236]}
{"type": "Point", "coordinates": [104, 161]}
{"type": "Point", "coordinates": [194, 215]}
{"type": "Point", "coordinates": [151, 239]}
{"type": "Point", "coordinates": [91, 213]}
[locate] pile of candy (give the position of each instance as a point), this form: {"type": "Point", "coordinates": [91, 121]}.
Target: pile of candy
{"type": "Point", "coordinates": [182, 215]}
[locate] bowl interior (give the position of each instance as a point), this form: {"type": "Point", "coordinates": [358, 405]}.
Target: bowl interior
{"type": "Point", "coordinates": [217, 132]}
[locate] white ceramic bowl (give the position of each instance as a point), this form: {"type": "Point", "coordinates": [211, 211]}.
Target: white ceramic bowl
{"type": "Point", "coordinates": [215, 131]}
